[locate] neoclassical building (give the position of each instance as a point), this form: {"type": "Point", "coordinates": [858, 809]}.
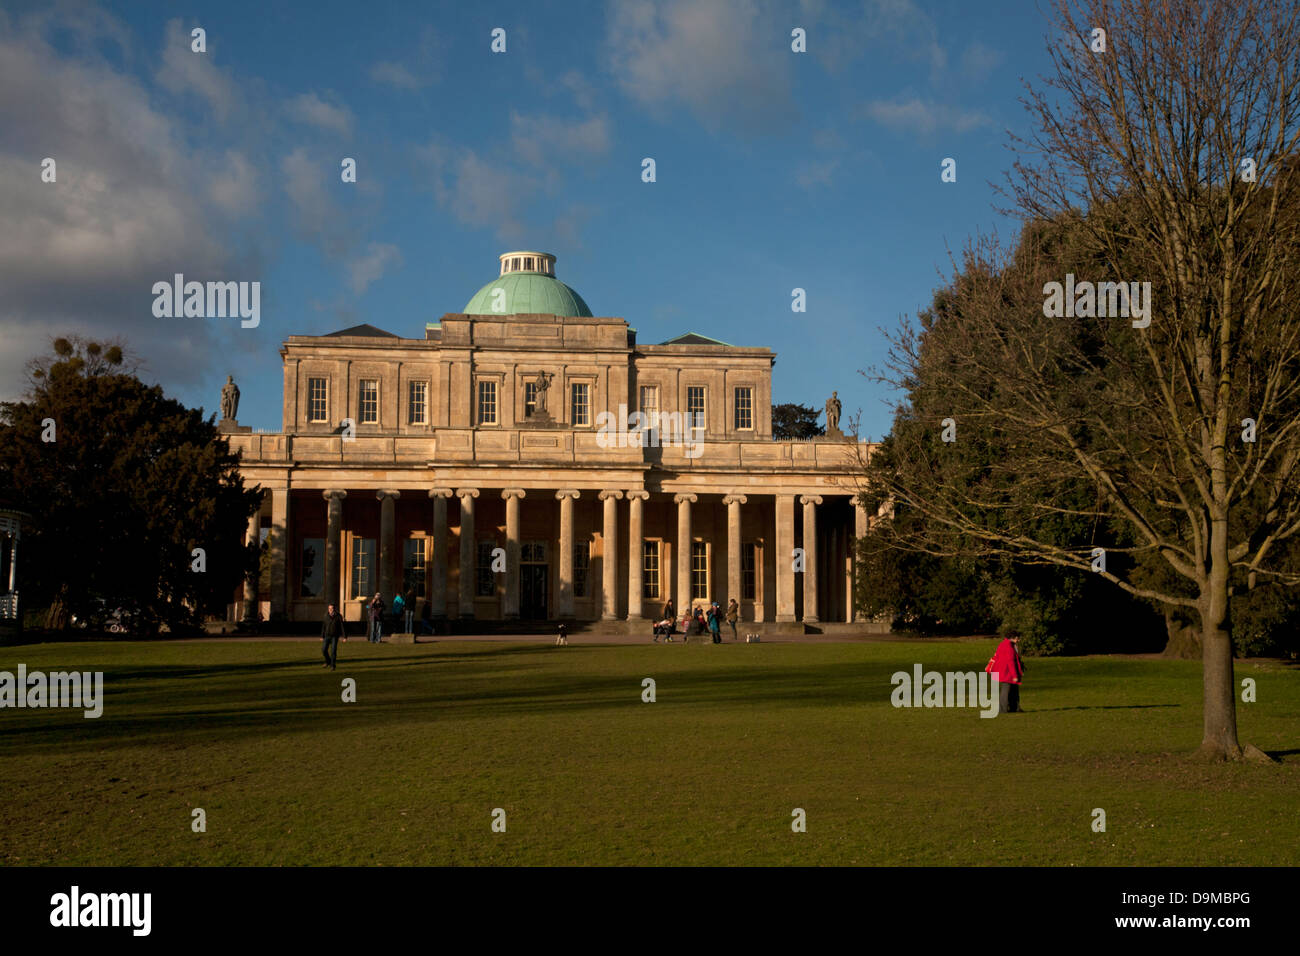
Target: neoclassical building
{"type": "Point", "coordinates": [525, 459]}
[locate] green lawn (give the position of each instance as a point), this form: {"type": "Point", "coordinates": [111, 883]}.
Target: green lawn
{"type": "Point", "coordinates": [256, 734]}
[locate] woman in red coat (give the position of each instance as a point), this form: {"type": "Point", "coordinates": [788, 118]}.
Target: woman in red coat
{"type": "Point", "coordinates": [1009, 668]}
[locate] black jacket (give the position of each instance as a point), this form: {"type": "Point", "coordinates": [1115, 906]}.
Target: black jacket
{"type": "Point", "coordinates": [332, 626]}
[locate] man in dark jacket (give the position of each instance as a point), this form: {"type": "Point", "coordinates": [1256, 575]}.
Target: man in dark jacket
{"type": "Point", "coordinates": [330, 632]}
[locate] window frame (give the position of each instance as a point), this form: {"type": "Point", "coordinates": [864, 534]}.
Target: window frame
{"type": "Point", "coordinates": [586, 386]}
{"type": "Point", "coordinates": [324, 400]}
{"type": "Point", "coordinates": [651, 548]}
{"type": "Point", "coordinates": [411, 404]}
{"type": "Point", "coordinates": [748, 390]}
{"type": "Point", "coordinates": [749, 575]}
{"type": "Point", "coordinates": [357, 570]}
{"type": "Point", "coordinates": [485, 584]}
{"type": "Point", "coordinates": [704, 403]}
{"type": "Point", "coordinates": [581, 569]}
{"type": "Point", "coordinates": [362, 385]}
{"type": "Point", "coordinates": [702, 585]}
{"type": "Point", "coordinates": [479, 384]}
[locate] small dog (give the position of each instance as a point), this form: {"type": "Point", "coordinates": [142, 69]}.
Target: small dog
{"type": "Point", "coordinates": [563, 637]}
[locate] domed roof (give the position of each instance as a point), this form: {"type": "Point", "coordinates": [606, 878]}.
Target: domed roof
{"type": "Point", "coordinates": [527, 283]}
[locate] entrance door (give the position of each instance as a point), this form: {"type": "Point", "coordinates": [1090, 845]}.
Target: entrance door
{"type": "Point", "coordinates": [533, 579]}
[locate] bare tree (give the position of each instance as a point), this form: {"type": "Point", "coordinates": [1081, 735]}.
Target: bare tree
{"type": "Point", "coordinates": [1163, 154]}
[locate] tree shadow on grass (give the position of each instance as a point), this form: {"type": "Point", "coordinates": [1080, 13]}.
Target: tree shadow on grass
{"type": "Point", "coordinates": [1043, 710]}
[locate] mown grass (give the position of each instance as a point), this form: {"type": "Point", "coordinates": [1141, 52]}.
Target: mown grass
{"type": "Point", "coordinates": [257, 735]}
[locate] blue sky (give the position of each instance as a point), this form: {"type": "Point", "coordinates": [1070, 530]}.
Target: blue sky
{"type": "Point", "coordinates": [775, 170]}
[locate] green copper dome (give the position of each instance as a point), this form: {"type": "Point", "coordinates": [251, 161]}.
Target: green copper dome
{"type": "Point", "coordinates": [527, 283]}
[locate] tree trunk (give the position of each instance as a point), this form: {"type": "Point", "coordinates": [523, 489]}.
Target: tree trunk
{"type": "Point", "coordinates": [1184, 637]}
{"type": "Point", "coordinates": [1220, 740]}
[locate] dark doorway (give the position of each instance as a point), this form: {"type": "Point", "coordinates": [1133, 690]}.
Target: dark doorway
{"type": "Point", "coordinates": [532, 592]}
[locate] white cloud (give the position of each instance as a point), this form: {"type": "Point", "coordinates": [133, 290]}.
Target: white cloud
{"type": "Point", "coordinates": [719, 58]}
{"type": "Point", "coordinates": [478, 192]}
{"type": "Point", "coordinates": [372, 266]}
{"type": "Point", "coordinates": [184, 71]}
{"type": "Point", "coordinates": [924, 117]}
{"type": "Point", "coordinates": [396, 75]}
{"type": "Point", "coordinates": [311, 109]}
{"type": "Point", "coordinates": [81, 254]}
{"type": "Point", "coordinates": [543, 140]}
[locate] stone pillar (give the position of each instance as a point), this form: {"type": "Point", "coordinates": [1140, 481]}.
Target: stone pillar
{"type": "Point", "coordinates": [510, 599]}
{"type": "Point", "coordinates": [733, 503]}
{"type": "Point", "coordinates": [810, 503]}
{"type": "Point", "coordinates": [859, 531]}
{"type": "Point", "coordinates": [784, 558]}
{"type": "Point", "coordinates": [333, 547]}
{"type": "Point", "coordinates": [635, 538]}
{"type": "Point", "coordinates": [278, 540]}
{"type": "Point", "coordinates": [13, 562]}
{"type": "Point", "coordinates": [683, 557]}
{"type": "Point", "coordinates": [468, 549]}
{"type": "Point", "coordinates": [609, 555]}
{"type": "Point", "coordinates": [438, 590]}
{"type": "Point", "coordinates": [387, 543]}
{"type": "Point", "coordinates": [564, 600]}
{"type": "Point", "coordinates": [252, 577]}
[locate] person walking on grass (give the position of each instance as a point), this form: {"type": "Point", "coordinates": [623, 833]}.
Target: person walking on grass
{"type": "Point", "coordinates": [1006, 665]}
{"type": "Point", "coordinates": [331, 630]}
{"type": "Point", "coordinates": [733, 615]}
{"type": "Point", "coordinates": [376, 611]}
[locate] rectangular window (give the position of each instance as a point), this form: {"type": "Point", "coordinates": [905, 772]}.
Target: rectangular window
{"type": "Point", "coordinates": [530, 399]}
{"type": "Point", "coordinates": [649, 406]}
{"type": "Point", "coordinates": [311, 570]}
{"type": "Point", "coordinates": [413, 566]}
{"type": "Point", "coordinates": [363, 567]}
{"type": "Point", "coordinates": [650, 569]}
{"type": "Point", "coordinates": [417, 404]}
{"type": "Point", "coordinates": [581, 564]}
{"type": "Point", "coordinates": [532, 552]}
{"type": "Point", "coordinates": [581, 405]}
{"type": "Point", "coordinates": [695, 406]}
{"type": "Point", "coordinates": [699, 570]}
{"type": "Point", "coordinates": [487, 585]}
{"type": "Point", "coordinates": [368, 413]}
{"type": "Point", "coordinates": [748, 574]}
{"type": "Point", "coordinates": [317, 406]}
{"type": "Point", "coordinates": [744, 408]}
{"type": "Point", "coordinates": [487, 402]}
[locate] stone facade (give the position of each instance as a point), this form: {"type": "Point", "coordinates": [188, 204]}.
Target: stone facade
{"type": "Point", "coordinates": [407, 462]}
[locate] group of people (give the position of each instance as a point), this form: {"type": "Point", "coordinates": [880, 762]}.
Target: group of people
{"type": "Point", "coordinates": [403, 611]}
{"type": "Point", "coordinates": [705, 621]}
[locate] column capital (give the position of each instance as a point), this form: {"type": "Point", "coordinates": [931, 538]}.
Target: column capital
{"type": "Point", "coordinates": [734, 499]}
{"type": "Point", "coordinates": [610, 493]}
{"type": "Point", "coordinates": [334, 494]}
{"type": "Point", "coordinates": [441, 493]}
{"type": "Point", "coordinates": [567, 493]}
{"type": "Point", "coordinates": [381, 495]}
{"type": "Point", "coordinates": [637, 495]}
{"type": "Point", "coordinates": [466, 492]}
{"type": "Point", "coordinates": [810, 499]}
{"type": "Point", "coordinates": [509, 493]}
{"type": "Point", "coordinates": [686, 497]}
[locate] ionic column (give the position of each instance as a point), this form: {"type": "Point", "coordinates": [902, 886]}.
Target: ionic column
{"type": "Point", "coordinates": [387, 541]}
{"type": "Point", "coordinates": [467, 547]}
{"type": "Point", "coordinates": [684, 502]}
{"type": "Point", "coordinates": [251, 577]}
{"type": "Point", "coordinates": [859, 531]}
{"type": "Point", "coordinates": [609, 557]}
{"type": "Point", "coordinates": [810, 503]}
{"type": "Point", "coordinates": [333, 546]}
{"type": "Point", "coordinates": [564, 600]}
{"type": "Point", "coordinates": [438, 591]}
{"type": "Point", "coordinates": [635, 537]}
{"type": "Point", "coordinates": [510, 599]}
{"type": "Point", "coordinates": [784, 558]}
{"type": "Point", "coordinates": [733, 503]}
{"type": "Point", "coordinates": [278, 540]}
